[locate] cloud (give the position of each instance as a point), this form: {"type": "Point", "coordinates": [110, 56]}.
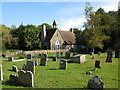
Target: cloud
{"type": "Point", "coordinates": [75, 22]}
{"type": "Point", "coordinates": [109, 6]}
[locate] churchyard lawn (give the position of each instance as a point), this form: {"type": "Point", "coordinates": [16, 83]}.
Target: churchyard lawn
{"type": "Point", "coordinates": [50, 76]}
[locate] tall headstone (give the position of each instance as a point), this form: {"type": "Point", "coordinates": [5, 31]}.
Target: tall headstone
{"type": "Point", "coordinates": [67, 55]}
{"type": "Point", "coordinates": [58, 54]}
{"type": "Point", "coordinates": [43, 60]}
{"type": "Point", "coordinates": [97, 64]}
{"type": "Point", "coordinates": [10, 59]}
{"type": "Point", "coordinates": [54, 58]}
{"type": "Point", "coordinates": [109, 56]}
{"type": "Point", "coordinates": [29, 56]}
{"type": "Point", "coordinates": [30, 66]}
{"type": "Point", "coordinates": [117, 53]}
{"type": "Point", "coordinates": [95, 82]}
{"type": "Point", "coordinates": [1, 75]}
{"type": "Point", "coordinates": [63, 64]}
{"type": "Point", "coordinates": [36, 62]}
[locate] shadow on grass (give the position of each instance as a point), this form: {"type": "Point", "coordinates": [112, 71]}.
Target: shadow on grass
{"type": "Point", "coordinates": [56, 69]}
{"type": "Point", "coordinates": [10, 83]}
{"type": "Point", "coordinates": [9, 69]}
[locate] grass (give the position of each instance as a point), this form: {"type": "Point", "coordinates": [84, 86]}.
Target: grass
{"type": "Point", "coordinates": [75, 76]}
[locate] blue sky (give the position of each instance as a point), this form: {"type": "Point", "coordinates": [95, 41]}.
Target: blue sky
{"type": "Point", "coordinates": [67, 14]}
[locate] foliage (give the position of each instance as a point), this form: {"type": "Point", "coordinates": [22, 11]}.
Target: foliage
{"type": "Point", "coordinates": [93, 34]}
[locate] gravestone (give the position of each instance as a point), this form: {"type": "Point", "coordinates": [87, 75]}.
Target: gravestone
{"type": "Point", "coordinates": [58, 54]}
{"type": "Point", "coordinates": [26, 78]}
{"type": "Point", "coordinates": [117, 53]}
{"type": "Point", "coordinates": [63, 64]}
{"type": "Point", "coordinates": [95, 82]}
{"type": "Point", "coordinates": [43, 60]}
{"type": "Point", "coordinates": [23, 78]}
{"type": "Point", "coordinates": [30, 66]}
{"type": "Point", "coordinates": [79, 58]}
{"type": "Point", "coordinates": [97, 64]}
{"type": "Point", "coordinates": [61, 53]}
{"type": "Point", "coordinates": [109, 56]}
{"type": "Point", "coordinates": [29, 56]}
{"type": "Point", "coordinates": [14, 68]}
{"type": "Point", "coordinates": [67, 55]}
{"type": "Point", "coordinates": [99, 53]}
{"type": "Point", "coordinates": [1, 75]}
{"type": "Point", "coordinates": [89, 73]}
{"type": "Point", "coordinates": [91, 53]}
{"type": "Point", "coordinates": [10, 59]}
{"type": "Point", "coordinates": [24, 66]}
{"type": "Point", "coordinates": [35, 62]}
{"type": "Point", "coordinates": [54, 58]}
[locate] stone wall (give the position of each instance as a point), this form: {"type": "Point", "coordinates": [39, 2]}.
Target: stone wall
{"type": "Point", "coordinates": [34, 52]}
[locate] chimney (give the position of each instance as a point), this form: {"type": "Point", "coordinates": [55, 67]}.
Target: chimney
{"type": "Point", "coordinates": [71, 29]}
{"type": "Point", "coordinates": [43, 33]}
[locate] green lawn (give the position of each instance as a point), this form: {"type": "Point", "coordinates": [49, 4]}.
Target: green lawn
{"type": "Point", "coordinates": [51, 76]}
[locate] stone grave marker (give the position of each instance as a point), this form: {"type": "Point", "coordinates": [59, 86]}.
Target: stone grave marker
{"type": "Point", "coordinates": [75, 54]}
{"type": "Point", "coordinates": [14, 68]}
{"type": "Point", "coordinates": [23, 78]}
{"type": "Point", "coordinates": [61, 53]}
{"type": "Point", "coordinates": [99, 53]}
{"type": "Point", "coordinates": [109, 56]}
{"type": "Point", "coordinates": [67, 55]}
{"type": "Point", "coordinates": [54, 59]}
{"type": "Point", "coordinates": [58, 54]}
{"type": "Point", "coordinates": [30, 66]}
{"type": "Point", "coordinates": [97, 64]}
{"type": "Point", "coordinates": [43, 60]}
{"type": "Point", "coordinates": [91, 53]}
{"type": "Point", "coordinates": [95, 82]}
{"type": "Point", "coordinates": [79, 58]}
{"type": "Point", "coordinates": [29, 56]}
{"type": "Point", "coordinates": [10, 59]}
{"type": "Point", "coordinates": [1, 74]}
{"type": "Point", "coordinates": [36, 62]}
{"type": "Point", "coordinates": [63, 64]}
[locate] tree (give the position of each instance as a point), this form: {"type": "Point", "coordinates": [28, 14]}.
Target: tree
{"type": "Point", "coordinates": [93, 33]}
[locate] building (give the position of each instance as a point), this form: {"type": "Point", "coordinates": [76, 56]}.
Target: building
{"type": "Point", "coordinates": [57, 39]}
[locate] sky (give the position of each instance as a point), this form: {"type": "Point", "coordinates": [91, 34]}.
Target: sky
{"type": "Point", "coordinates": [68, 14]}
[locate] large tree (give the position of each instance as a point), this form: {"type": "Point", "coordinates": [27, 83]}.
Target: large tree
{"type": "Point", "coordinates": [93, 34]}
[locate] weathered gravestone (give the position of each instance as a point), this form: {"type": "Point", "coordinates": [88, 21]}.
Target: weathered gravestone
{"type": "Point", "coordinates": [54, 58]}
{"type": "Point", "coordinates": [29, 56]}
{"type": "Point", "coordinates": [43, 60]}
{"type": "Point", "coordinates": [26, 78]}
{"type": "Point", "coordinates": [99, 53]}
{"type": "Point", "coordinates": [23, 78]}
{"type": "Point", "coordinates": [1, 75]}
{"type": "Point", "coordinates": [67, 55]}
{"type": "Point", "coordinates": [95, 82]}
{"type": "Point", "coordinates": [30, 66]}
{"type": "Point", "coordinates": [109, 56]}
{"type": "Point", "coordinates": [79, 58]}
{"type": "Point", "coordinates": [58, 54]}
{"type": "Point", "coordinates": [14, 68]}
{"type": "Point", "coordinates": [89, 73]}
{"type": "Point", "coordinates": [97, 64]}
{"type": "Point", "coordinates": [63, 64]}
{"type": "Point", "coordinates": [35, 62]}
{"type": "Point", "coordinates": [117, 53]}
{"type": "Point", "coordinates": [10, 59]}
{"type": "Point", "coordinates": [61, 53]}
